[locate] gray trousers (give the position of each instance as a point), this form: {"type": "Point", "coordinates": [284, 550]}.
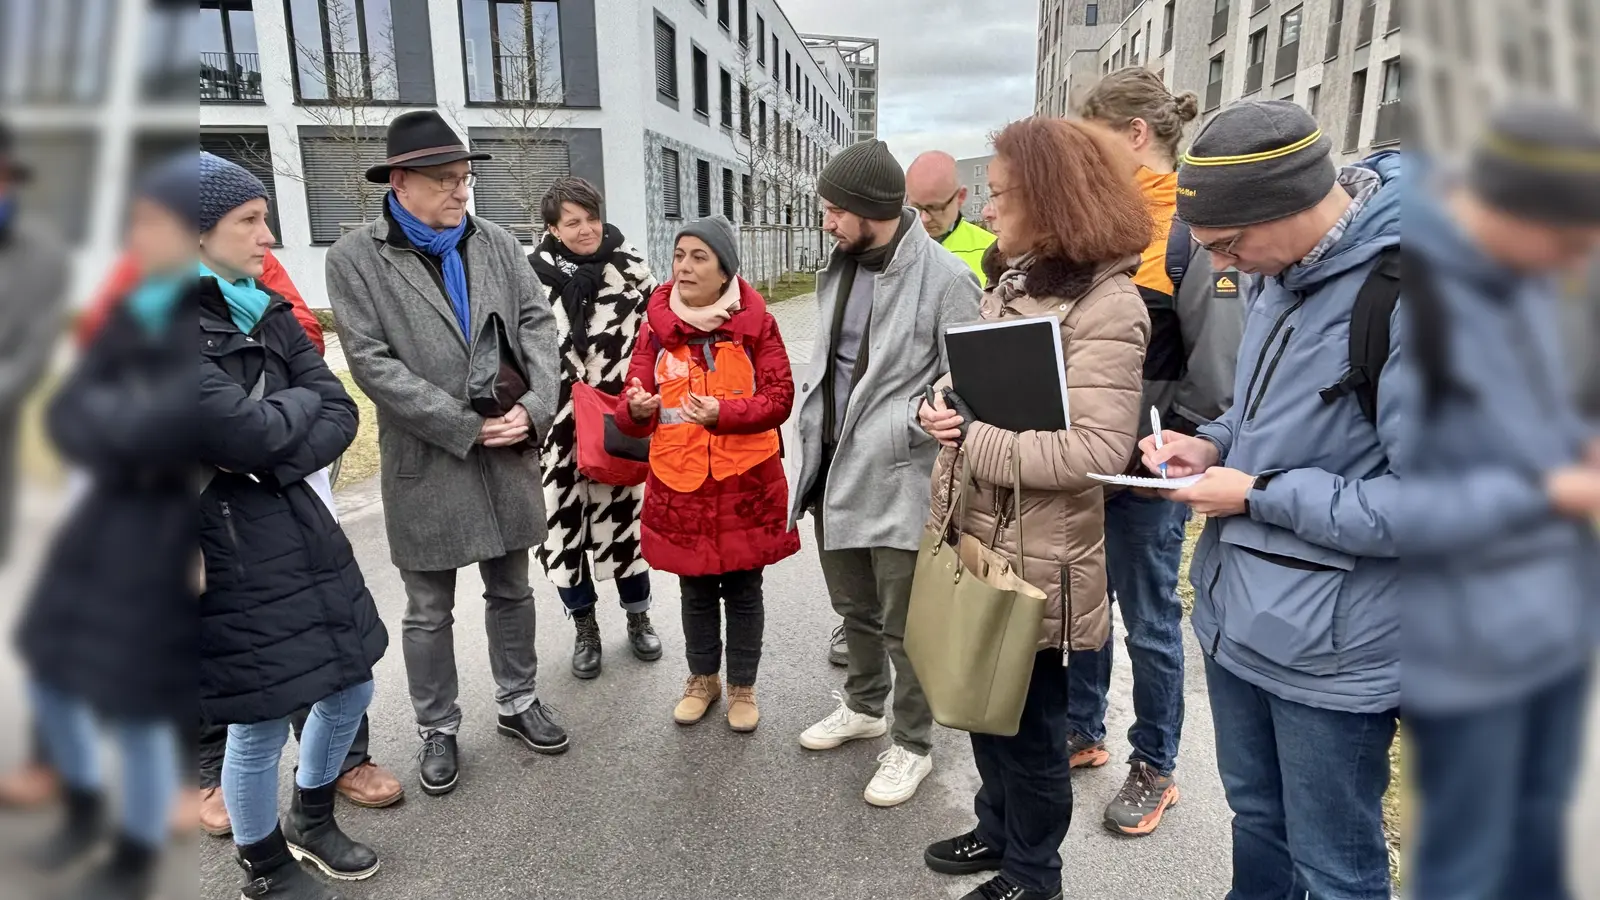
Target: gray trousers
{"type": "Point", "coordinates": [871, 589]}
{"type": "Point", "coordinates": [427, 634]}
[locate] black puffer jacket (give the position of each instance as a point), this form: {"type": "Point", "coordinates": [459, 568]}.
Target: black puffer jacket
{"type": "Point", "coordinates": [286, 618]}
{"type": "Point", "coordinates": [112, 617]}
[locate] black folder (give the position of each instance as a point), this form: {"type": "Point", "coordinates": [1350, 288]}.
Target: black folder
{"type": "Point", "coordinates": [1011, 372]}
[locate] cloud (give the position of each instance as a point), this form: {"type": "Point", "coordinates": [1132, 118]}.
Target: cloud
{"type": "Point", "coordinates": [952, 71]}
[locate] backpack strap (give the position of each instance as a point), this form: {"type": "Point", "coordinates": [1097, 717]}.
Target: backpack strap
{"type": "Point", "coordinates": [1180, 249]}
{"type": "Point", "coordinates": [1369, 335]}
{"type": "Point", "coordinates": [1428, 335]}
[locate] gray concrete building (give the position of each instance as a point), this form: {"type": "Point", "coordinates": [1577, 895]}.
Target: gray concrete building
{"type": "Point", "coordinates": [973, 173]}
{"type": "Point", "coordinates": [1340, 59]}
{"type": "Point", "coordinates": [858, 57]}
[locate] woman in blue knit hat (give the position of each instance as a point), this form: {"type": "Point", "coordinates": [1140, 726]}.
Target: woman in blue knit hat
{"type": "Point", "coordinates": [286, 620]}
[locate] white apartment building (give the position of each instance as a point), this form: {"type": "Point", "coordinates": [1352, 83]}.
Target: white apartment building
{"type": "Point", "coordinates": [676, 109]}
{"type": "Point", "coordinates": [973, 173]}
{"type": "Point", "coordinates": [858, 61]}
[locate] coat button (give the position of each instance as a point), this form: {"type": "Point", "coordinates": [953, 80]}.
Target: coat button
{"type": "Point", "coordinates": [805, 387]}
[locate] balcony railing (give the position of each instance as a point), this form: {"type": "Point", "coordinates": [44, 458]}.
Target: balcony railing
{"type": "Point", "coordinates": [1390, 125]}
{"type": "Point", "coordinates": [1288, 60]}
{"type": "Point", "coordinates": [230, 78]}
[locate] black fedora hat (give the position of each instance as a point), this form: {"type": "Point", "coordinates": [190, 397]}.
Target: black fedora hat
{"type": "Point", "coordinates": [11, 167]}
{"type": "Point", "coordinates": [418, 140]}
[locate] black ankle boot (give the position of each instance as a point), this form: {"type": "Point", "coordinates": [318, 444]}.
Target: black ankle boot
{"type": "Point", "coordinates": [81, 829]}
{"type": "Point", "coordinates": [313, 836]}
{"type": "Point", "coordinates": [271, 873]}
{"type": "Point", "coordinates": [128, 875]}
{"type": "Point", "coordinates": [586, 645]}
{"type": "Point", "coordinates": [642, 635]}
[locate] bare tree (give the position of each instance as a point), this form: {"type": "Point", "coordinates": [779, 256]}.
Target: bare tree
{"type": "Point", "coordinates": [527, 90]}
{"type": "Point", "coordinates": [756, 148]}
{"type": "Point", "coordinates": [340, 78]}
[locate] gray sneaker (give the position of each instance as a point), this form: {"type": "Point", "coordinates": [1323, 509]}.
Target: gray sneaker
{"type": "Point", "coordinates": [838, 652]}
{"type": "Point", "coordinates": [1144, 798]}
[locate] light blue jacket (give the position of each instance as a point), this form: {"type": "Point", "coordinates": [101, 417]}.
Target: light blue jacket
{"type": "Point", "coordinates": [1498, 591]}
{"type": "Point", "coordinates": [1299, 596]}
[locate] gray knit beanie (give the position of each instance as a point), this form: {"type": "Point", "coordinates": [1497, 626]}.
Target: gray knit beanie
{"type": "Point", "coordinates": [1258, 161]}
{"type": "Point", "coordinates": [1539, 161]}
{"type": "Point", "coordinates": [719, 235]}
{"type": "Point", "coordinates": [224, 187]}
{"type": "Point", "coordinates": [865, 179]}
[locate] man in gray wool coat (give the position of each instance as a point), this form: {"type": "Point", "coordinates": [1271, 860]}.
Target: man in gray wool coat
{"type": "Point", "coordinates": [412, 291]}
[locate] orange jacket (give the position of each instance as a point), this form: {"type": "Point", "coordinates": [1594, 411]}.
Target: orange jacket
{"type": "Point", "coordinates": [125, 274]}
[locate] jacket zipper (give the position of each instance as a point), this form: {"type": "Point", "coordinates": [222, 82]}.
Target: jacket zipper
{"type": "Point", "coordinates": [233, 537]}
{"type": "Point", "coordinates": [1267, 345]}
{"type": "Point", "coordinates": [1066, 610]}
{"type": "Point", "coordinates": [1216, 641]}
{"type": "Point", "coordinates": [1267, 379]}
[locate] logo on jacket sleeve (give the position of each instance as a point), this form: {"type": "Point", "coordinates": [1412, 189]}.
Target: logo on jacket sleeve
{"type": "Point", "coordinates": [1226, 285]}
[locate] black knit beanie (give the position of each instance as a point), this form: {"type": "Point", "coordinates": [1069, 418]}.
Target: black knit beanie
{"type": "Point", "coordinates": [866, 180]}
{"type": "Point", "coordinates": [1539, 161]}
{"type": "Point", "coordinates": [1258, 161]}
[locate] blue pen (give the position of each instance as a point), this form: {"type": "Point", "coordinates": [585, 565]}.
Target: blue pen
{"type": "Point", "coordinates": [1155, 428]}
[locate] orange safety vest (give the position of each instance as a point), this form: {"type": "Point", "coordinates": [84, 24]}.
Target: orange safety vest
{"type": "Point", "coordinates": [682, 454]}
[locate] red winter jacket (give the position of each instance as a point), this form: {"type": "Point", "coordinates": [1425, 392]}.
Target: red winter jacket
{"type": "Point", "coordinates": [125, 275]}
{"type": "Point", "coordinates": [742, 522]}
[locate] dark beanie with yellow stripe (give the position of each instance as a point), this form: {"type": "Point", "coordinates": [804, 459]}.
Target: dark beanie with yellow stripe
{"type": "Point", "coordinates": [1257, 161]}
{"type": "Point", "coordinates": [1539, 161]}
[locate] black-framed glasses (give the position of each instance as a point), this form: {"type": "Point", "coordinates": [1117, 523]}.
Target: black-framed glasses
{"type": "Point", "coordinates": [448, 183]}
{"type": "Point", "coordinates": [938, 207]}
{"type": "Point", "coordinates": [1221, 248]}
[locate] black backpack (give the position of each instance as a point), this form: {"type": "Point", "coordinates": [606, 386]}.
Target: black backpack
{"type": "Point", "coordinates": [1179, 252]}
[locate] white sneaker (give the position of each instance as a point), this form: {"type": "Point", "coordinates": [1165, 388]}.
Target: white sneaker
{"type": "Point", "coordinates": [899, 773]}
{"type": "Point", "coordinates": [842, 726]}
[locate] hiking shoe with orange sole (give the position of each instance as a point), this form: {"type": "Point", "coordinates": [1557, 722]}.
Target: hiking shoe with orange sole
{"type": "Point", "coordinates": [1086, 753]}
{"type": "Point", "coordinates": [1144, 798]}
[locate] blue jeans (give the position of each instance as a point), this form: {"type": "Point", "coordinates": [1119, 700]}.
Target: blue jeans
{"type": "Point", "coordinates": [1494, 786]}
{"type": "Point", "coordinates": [1144, 547]}
{"type": "Point", "coordinates": [1306, 788]}
{"type": "Point", "coordinates": [250, 769]}
{"type": "Point", "coordinates": [633, 591]}
{"type": "Point", "coordinates": [1024, 802]}
{"type": "Point", "coordinates": [71, 731]}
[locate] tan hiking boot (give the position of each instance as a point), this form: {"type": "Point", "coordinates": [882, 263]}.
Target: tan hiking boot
{"type": "Point", "coordinates": [214, 813]}
{"type": "Point", "coordinates": [743, 716]}
{"type": "Point", "coordinates": [31, 786]}
{"type": "Point", "coordinates": [698, 694]}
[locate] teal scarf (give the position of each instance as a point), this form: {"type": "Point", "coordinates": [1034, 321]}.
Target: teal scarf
{"type": "Point", "coordinates": [246, 302]}
{"type": "Point", "coordinates": [153, 301]}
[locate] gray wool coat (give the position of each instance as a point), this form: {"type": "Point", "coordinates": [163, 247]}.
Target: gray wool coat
{"type": "Point", "coordinates": [448, 501]}
{"type": "Point", "coordinates": [878, 491]}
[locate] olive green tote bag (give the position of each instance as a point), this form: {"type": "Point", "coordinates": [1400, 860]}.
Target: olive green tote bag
{"type": "Point", "coordinates": [973, 627]}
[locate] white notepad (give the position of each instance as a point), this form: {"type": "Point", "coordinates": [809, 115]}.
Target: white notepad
{"type": "Point", "coordinates": [1160, 484]}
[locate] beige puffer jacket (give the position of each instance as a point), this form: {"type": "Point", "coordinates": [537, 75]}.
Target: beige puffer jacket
{"type": "Point", "coordinates": [1104, 331]}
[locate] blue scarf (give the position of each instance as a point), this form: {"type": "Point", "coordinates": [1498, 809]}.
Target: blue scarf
{"type": "Point", "coordinates": [440, 244]}
{"type": "Point", "coordinates": [153, 301]}
{"type": "Point", "coordinates": [246, 302]}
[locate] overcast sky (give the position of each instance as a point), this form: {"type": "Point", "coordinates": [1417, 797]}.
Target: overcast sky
{"type": "Point", "coordinates": [952, 71]}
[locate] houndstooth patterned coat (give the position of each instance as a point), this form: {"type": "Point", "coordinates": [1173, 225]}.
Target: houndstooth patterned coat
{"type": "Point", "coordinates": [593, 526]}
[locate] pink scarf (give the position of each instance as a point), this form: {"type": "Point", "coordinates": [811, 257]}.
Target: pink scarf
{"type": "Point", "coordinates": [707, 318]}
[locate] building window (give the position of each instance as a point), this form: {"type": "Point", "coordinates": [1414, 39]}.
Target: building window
{"type": "Point", "coordinates": [337, 193]}
{"type": "Point", "coordinates": [726, 96]}
{"type": "Point", "coordinates": [702, 188]}
{"type": "Point", "coordinates": [744, 23]}
{"type": "Point", "coordinates": [761, 123]}
{"type": "Point", "coordinates": [788, 73]}
{"type": "Point", "coordinates": [1219, 19]}
{"type": "Point", "coordinates": [1214, 82]}
{"type": "Point", "coordinates": [1288, 44]}
{"type": "Point", "coordinates": [254, 153]}
{"type": "Point", "coordinates": [1256, 72]}
{"type": "Point", "coordinates": [1314, 100]}
{"type": "Point", "coordinates": [343, 50]}
{"type": "Point", "coordinates": [727, 194]}
{"type": "Point", "coordinates": [761, 41]}
{"type": "Point", "coordinates": [1091, 14]}
{"type": "Point", "coordinates": [511, 186]}
{"type": "Point", "coordinates": [702, 83]}
{"type": "Point", "coordinates": [62, 188]}
{"type": "Point", "coordinates": [513, 51]}
{"type": "Point", "coordinates": [1259, 5]}
{"type": "Point", "coordinates": [722, 14]}
{"type": "Point", "coordinates": [671, 185]}
{"type": "Point", "coordinates": [1444, 103]}
{"type": "Point", "coordinates": [666, 60]}
{"type": "Point", "coordinates": [1105, 67]}
{"type": "Point", "coordinates": [1134, 58]}
{"type": "Point", "coordinates": [1369, 16]}
{"type": "Point", "coordinates": [1358, 99]}
{"type": "Point", "coordinates": [53, 52]}
{"type": "Point", "coordinates": [230, 64]}
{"type": "Point", "coordinates": [744, 110]}
{"type": "Point", "coordinates": [1394, 16]}
{"type": "Point", "coordinates": [1389, 124]}
{"type": "Point", "coordinates": [774, 59]}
